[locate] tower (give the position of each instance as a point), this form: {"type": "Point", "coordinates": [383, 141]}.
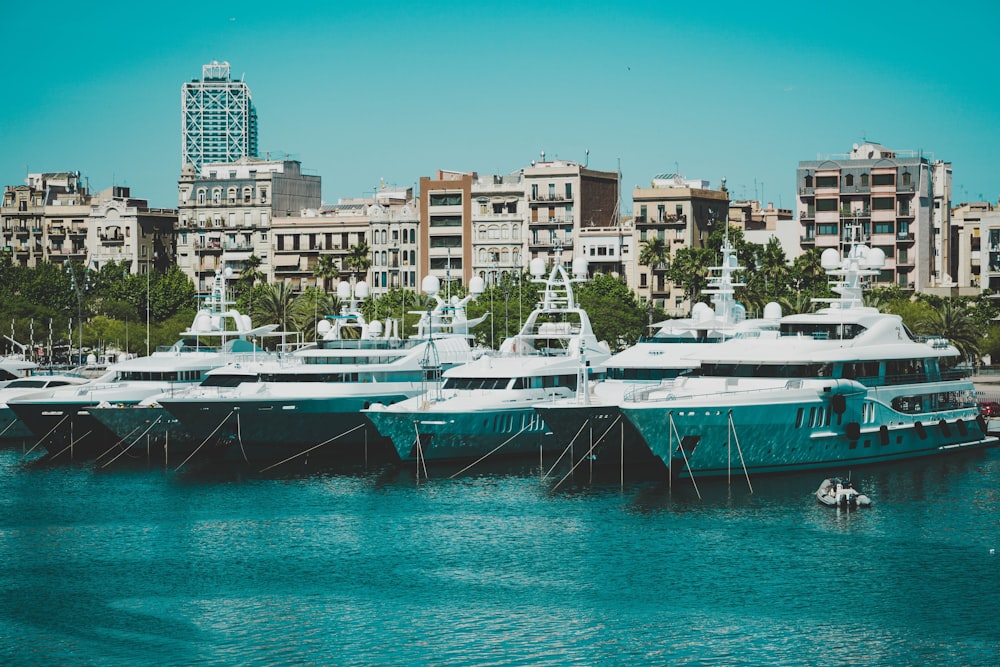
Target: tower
{"type": "Point", "coordinates": [218, 119]}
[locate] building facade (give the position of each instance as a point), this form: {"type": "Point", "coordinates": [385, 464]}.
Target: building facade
{"type": "Point", "coordinates": [225, 213]}
{"type": "Point", "coordinates": [676, 213]}
{"type": "Point", "coordinates": [901, 202]}
{"type": "Point", "coordinates": [218, 118]}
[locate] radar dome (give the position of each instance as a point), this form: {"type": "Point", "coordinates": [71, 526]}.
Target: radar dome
{"type": "Point", "coordinates": [375, 328]}
{"type": "Point", "coordinates": [830, 259]}
{"type": "Point", "coordinates": [323, 327]}
{"type": "Point", "coordinates": [876, 258]}
{"type": "Point", "coordinates": [343, 290]}
{"type": "Point", "coordinates": [772, 311]}
{"type": "Point", "coordinates": [431, 285]}
{"type": "Point", "coordinates": [361, 290]}
{"type": "Point", "coordinates": [580, 266]}
{"type": "Point", "coordinates": [203, 322]}
{"type": "Point", "coordinates": [477, 285]}
{"type": "Point", "coordinates": [537, 267]}
{"type": "Point", "coordinates": [701, 311]}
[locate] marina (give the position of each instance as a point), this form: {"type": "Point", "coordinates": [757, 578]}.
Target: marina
{"type": "Point", "coordinates": [125, 566]}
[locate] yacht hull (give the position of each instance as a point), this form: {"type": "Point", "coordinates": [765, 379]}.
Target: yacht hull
{"type": "Point", "coordinates": [796, 430]}
{"type": "Point", "coordinates": [65, 429]}
{"type": "Point", "coordinates": [446, 436]}
{"type": "Point", "coordinates": [147, 432]}
{"type": "Point", "coordinates": [284, 430]}
{"type": "Point", "coordinates": [12, 428]}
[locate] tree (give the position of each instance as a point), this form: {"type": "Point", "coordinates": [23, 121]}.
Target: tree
{"type": "Point", "coordinates": [250, 275]}
{"type": "Point", "coordinates": [654, 254]}
{"type": "Point", "coordinates": [615, 314]}
{"type": "Point", "coordinates": [326, 270]}
{"type": "Point", "coordinates": [690, 270]}
{"type": "Point", "coordinates": [358, 259]}
{"type": "Point", "coordinates": [275, 304]}
{"type": "Point", "coordinates": [950, 319]}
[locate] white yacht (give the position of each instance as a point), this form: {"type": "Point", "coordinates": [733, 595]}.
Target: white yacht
{"type": "Point", "coordinates": [12, 428]}
{"type": "Point", "coordinates": [308, 405]}
{"type": "Point", "coordinates": [844, 386]}
{"type": "Point", "coordinates": [589, 424]}
{"type": "Point", "coordinates": [485, 407]}
{"type": "Point", "coordinates": [61, 417]}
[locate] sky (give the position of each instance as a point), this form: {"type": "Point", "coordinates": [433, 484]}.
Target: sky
{"type": "Point", "coordinates": [365, 94]}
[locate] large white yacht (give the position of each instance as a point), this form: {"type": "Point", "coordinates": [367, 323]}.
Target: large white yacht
{"type": "Point", "coordinates": [12, 428]}
{"type": "Point", "coordinates": [308, 405]}
{"type": "Point", "coordinates": [844, 386]}
{"type": "Point", "coordinates": [486, 407]}
{"type": "Point", "coordinates": [60, 417]}
{"type": "Point", "coordinates": [589, 424]}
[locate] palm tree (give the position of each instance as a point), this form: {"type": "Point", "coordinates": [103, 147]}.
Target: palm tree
{"type": "Point", "coordinates": [326, 270]}
{"type": "Point", "coordinates": [250, 274]}
{"type": "Point", "coordinates": [276, 304]}
{"type": "Point", "coordinates": [654, 253]}
{"type": "Point", "coordinates": [953, 321]}
{"type": "Point", "coordinates": [359, 259]}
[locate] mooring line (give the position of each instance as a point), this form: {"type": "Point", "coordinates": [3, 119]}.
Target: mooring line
{"type": "Point", "coordinates": [325, 442]}
{"type": "Point", "coordinates": [583, 426]}
{"type": "Point", "coordinates": [71, 443]}
{"type": "Point", "coordinates": [198, 448]}
{"type": "Point", "coordinates": [490, 453]}
{"type": "Point", "coordinates": [42, 439]}
{"type": "Point", "coordinates": [588, 453]}
{"type": "Point", "coordinates": [131, 444]}
{"type": "Point", "coordinates": [120, 441]}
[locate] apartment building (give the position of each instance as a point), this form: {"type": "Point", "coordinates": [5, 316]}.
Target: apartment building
{"type": "Point", "coordinates": [226, 211]}
{"type": "Point", "coordinates": [498, 219]}
{"type": "Point", "coordinates": [679, 213]}
{"type": "Point", "coordinates": [975, 255]}
{"type": "Point", "coordinates": [900, 201]}
{"type": "Point", "coordinates": [53, 217]}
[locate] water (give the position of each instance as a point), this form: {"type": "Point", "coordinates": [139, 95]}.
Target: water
{"type": "Point", "coordinates": [143, 567]}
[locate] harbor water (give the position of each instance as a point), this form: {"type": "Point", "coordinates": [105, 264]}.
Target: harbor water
{"type": "Point", "coordinates": [140, 566]}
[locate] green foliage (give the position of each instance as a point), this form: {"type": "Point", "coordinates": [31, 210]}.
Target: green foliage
{"type": "Point", "coordinates": [615, 314]}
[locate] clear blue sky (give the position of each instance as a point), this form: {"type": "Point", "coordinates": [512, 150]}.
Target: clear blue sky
{"type": "Point", "coordinates": [368, 92]}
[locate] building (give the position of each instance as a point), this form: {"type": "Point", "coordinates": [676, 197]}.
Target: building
{"type": "Point", "coordinates": [677, 213]}
{"type": "Point", "coordinates": [123, 229]}
{"type": "Point", "coordinates": [226, 210]}
{"type": "Point", "coordinates": [564, 198]}
{"type": "Point", "coordinates": [499, 213]}
{"type": "Point", "coordinates": [901, 202]}
{"type": "Point", "coordinates": [446, 231]}
{"type": "Point", "coordinates": [975, 248]}
{"type": "Point", "coordinates": [218, 119]}
{"type": "Point", "coordinates": [46, 219]}
{"type": "Point", "coordinates": [53, 217]}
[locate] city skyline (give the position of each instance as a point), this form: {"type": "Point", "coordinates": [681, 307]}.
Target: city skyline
{"type": "Point", "coordinates": [364, 95]}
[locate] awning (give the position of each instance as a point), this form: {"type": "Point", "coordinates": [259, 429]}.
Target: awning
{"type": "Point", "coordinates": [286, 260]}
{"type": "Point", "coordinates": [235, 256]}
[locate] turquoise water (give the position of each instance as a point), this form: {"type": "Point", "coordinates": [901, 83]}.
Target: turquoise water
{"type": "Point", "coordinates": [145, 567]}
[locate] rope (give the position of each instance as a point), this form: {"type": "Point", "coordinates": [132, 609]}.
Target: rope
{"type": "Point", "coordinates": [588, 452]}
{"type": "Point", "coordinates": [12, 422]}
{"type": "Point", "coordinates": [239, 438]}
{"type": "Point", "coordinates": [42, 439]}
{"type": "Point", "coordinates": [120, 441]}
{"type": "Point", "coordinates": [155, 421]}
{"type": "Point", "coordinates": [421, 461]}
{"type": "Point", "coordinates": [71, 443]}
{"type": "Point", "coordinates": [196, 449]}
{"type": "Point", "coordinates": [732, 428]}
{"type": "Point", "coordinates": [491, 452]}
{"type": "Point", "coordinates": [680, 443]}
{"type": "Point", "coordinates": [303, 453]}
{"type": "Point", "coordinates": [583, 426]}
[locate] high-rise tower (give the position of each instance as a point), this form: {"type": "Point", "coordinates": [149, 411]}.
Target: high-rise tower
{"type": "Point", "coordinates": [218, 119]}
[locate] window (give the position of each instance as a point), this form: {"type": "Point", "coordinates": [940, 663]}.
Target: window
{"type": "Point", "coordinates": [827, 181]}
{"type": "Point", "coordinates": [883, 203]}
{"type": "Point", "coordinates": [446, 221]}
{"type": "Point", "coordinates": [883, 179]}
{"type": "Point", "coordinates": [808, 181]}
{"type": "Point", "coordinates": [446, 199]}
{"type": "Point", "coordinates": [569, 191]}
{"type": "Point", "coordinates": [826, 204]}
{"type": "Point", "coordinates": [864, 180]}
{"type": "Point", "coordinates": [827, 229]}
{"type": "Point", "coordinates": [849, 180]}
{"type": "Point", "coordinates": [534, 190]}
{"type": "Point", "coordinates": [885, 228]}
{"type": "Point", "coordinates": [552, 191]}
{"type": "Point", "coordinates": [907, 178]}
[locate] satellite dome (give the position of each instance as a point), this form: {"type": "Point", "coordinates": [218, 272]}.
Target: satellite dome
{"type": "Point", "coordinates": [830, 259]}
{"type": "Point", "coordinates": [343, 290]}
{"type": "Point", "coordinates": [361, 290]}
{"type": "Point", "coordinates": [537, 267]}
{"type": "Point", "coordinates": [431, 285]}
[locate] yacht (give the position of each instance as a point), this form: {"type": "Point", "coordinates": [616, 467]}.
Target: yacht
{"type": "Point", "coordinates": [486, 407]}
{"type": "Point", "coordinates": [846, 385]}
{"type": "Point", "coordinates": [308, 405]}
{"type": "Point", "coordinates": [589, 424]}
{"type": "Point", "coordinates": [12, 428]}
{"type": "Point", "coordinates": [61, 417]}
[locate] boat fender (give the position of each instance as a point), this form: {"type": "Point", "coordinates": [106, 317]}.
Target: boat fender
{"type": "Point", "coordinates": [982, 422]}
{"type": "Point", "coordinates": [852, 430]}
{"type": "Point", "coordinates": [883, 433]}
{"type": "Point", "coordinates": [838, 404]}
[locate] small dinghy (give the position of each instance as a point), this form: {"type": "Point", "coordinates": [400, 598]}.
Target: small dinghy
{"type": "Point", "coordinates": [838, 492]}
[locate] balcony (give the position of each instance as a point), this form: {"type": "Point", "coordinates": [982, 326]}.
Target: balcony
{"type": "Point", "coordinates": [807, 240]}
{"type": "Point", "coordinates": [853, 215]}
{"type": "Point", "coordinates": [112, 239]}
{"type": "Point", "coordinates": [549, 198]}
{"type": "Point", "coordinates": [904, 237]}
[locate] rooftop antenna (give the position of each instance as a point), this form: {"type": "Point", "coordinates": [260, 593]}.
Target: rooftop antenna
{"type": "Point", "coordinates": [586, 159]}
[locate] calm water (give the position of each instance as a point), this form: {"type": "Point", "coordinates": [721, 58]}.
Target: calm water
{"type": "Point", "coordinates": [133, 567]}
